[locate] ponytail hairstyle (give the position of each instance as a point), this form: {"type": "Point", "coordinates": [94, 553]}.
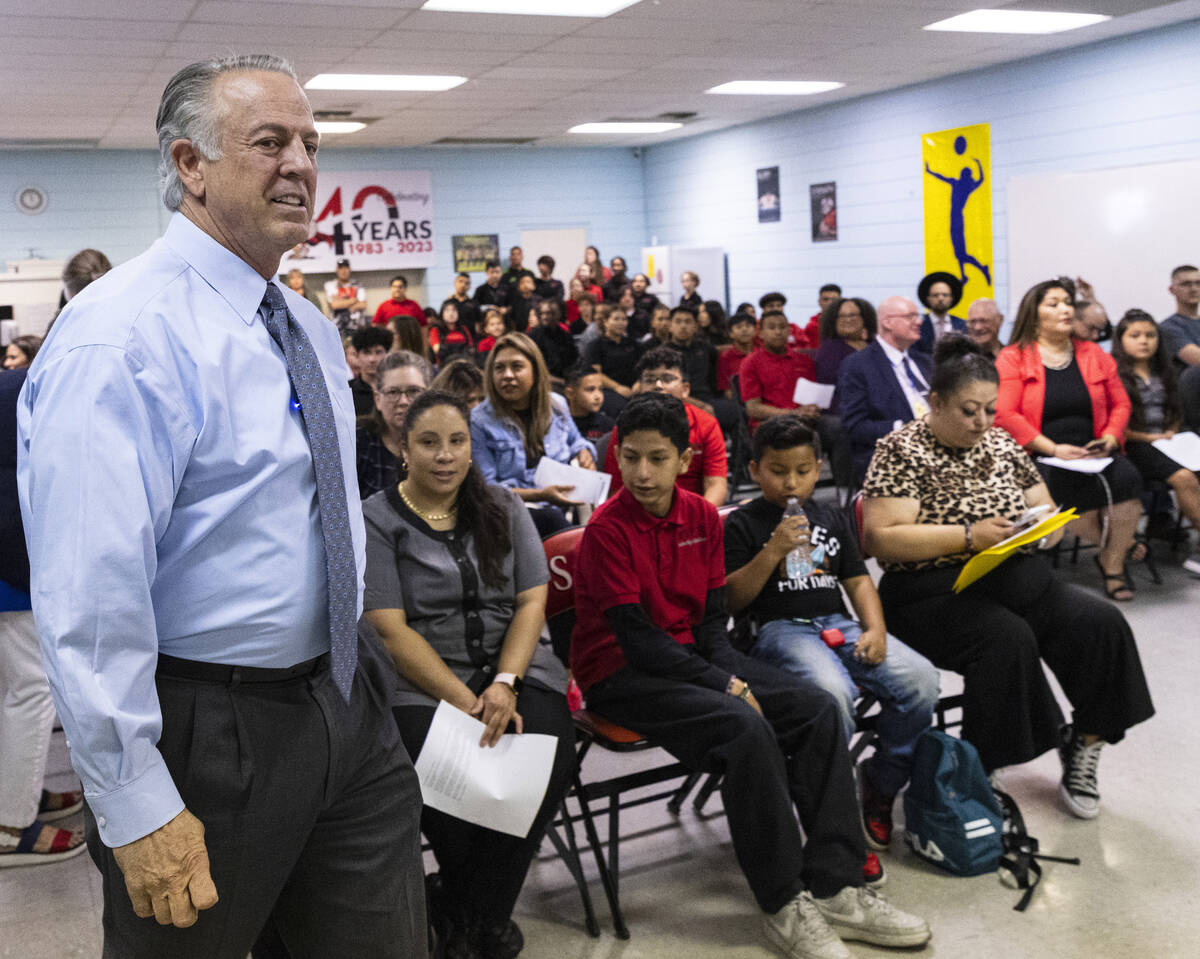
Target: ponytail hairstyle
{"type": "Point", "coordinates": [480, 511]}
{"type": "Point", "coordinates": [958, 362]}
{"type": "Point", "coordinates": [1160, 364]}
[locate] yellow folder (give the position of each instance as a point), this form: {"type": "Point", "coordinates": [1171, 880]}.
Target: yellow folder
{"type": "Point", "coordinates": [984, 562]}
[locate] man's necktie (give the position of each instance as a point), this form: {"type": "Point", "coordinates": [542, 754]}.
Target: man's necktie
{"type": "Point", "coordinates": [920, 387]}
{"type": "Point", "coordinates": [308, 383]}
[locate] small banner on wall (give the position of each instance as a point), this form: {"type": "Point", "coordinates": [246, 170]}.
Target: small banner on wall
{"type": "Point", "coordinates": [768, 195]}
{"type": "Point", "coordinates": [958, 207]}
{"type": "Point", "coordinates": [822, 201]}
{"type": "Point", "coordinates": [473, 250]}
{"type": "Point", "coordinates": [379, 221]}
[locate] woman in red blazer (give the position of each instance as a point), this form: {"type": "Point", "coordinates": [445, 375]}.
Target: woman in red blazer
{"type": "Point", "coordinates": [1062, 397]}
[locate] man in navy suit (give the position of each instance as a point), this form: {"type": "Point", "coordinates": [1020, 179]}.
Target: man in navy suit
{"type": "Point", "coordinates": [886, 384]}
{"type": "Point", "coordinates": [940, 293]}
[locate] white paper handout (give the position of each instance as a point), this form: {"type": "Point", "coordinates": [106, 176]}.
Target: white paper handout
{"type": "Point", "coordinates": [809, 392]}
{"type": "Point", "coordinates": [1183, 448]}
{"type": "Point", "coordinates": [591, 486]}
{"type": "Point", "coordinates": [499, 787]}
{"type": "Point", "coordinates": [1092, 464]}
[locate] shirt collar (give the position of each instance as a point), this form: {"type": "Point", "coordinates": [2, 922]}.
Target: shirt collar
{"type": "Point", "coordinates": [234, 280]}
{"type": "Point", "coordinates": [646, 521]}
{"type": "Point", "coordinates": [894, 355]}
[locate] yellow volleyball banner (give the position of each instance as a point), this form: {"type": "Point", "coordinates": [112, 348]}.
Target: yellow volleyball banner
{"type": "Point", "coordinates": [958, 207]}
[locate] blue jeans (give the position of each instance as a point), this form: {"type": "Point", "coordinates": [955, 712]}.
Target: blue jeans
{"type": "Point", "coordinates": [906, 684]}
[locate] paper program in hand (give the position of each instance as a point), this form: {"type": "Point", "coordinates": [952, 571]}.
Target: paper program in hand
{"type": "Point", "coordinates": [499, 787]}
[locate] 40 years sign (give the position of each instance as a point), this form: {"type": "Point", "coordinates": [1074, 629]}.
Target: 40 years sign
{"type": "Point", "coordinates": [379, 221]}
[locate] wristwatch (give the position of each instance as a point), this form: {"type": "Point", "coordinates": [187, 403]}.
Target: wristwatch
{"type": "Point", "coordinates": [512, 680]}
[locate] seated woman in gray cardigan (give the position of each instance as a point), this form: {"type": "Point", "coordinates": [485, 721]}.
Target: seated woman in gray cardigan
{"type": "Point", "coordinates": [456, 587]}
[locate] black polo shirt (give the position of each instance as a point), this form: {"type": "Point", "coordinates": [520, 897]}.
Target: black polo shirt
{"type": "Point", "coordinates": [616, 360]}
{"type": "Point", "coordinates": [485, 295]}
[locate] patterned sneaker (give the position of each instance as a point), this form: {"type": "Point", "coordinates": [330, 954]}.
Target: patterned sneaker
{"type": "Point", "coordinates": [860, 912]}
{"type": "Point", "coordinates": [873, 874]}
{"type": "Point", "coordinates": [39, 843]}
{"type": "Point", "coordinates": [1078, 788]}
{"type": "Point", "coordinates": [876, 814]}
{"type": "Point", "coordinates": [799, 931]}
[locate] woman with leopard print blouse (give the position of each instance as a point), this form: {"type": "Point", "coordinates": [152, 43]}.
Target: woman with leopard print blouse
{"type": "Point", "coordinates": [945, 487]}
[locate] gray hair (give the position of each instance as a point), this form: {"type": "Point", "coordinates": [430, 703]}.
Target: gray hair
{"type": "Point", "coordinates": [402, 358]}
{"type": "Point", "coordinates": [186, 113]}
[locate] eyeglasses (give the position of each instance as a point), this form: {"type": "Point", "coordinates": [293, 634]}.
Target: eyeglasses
{"type": "Point", "coordinates": [654, 379]}
{"type": "Point", "coordinates": [409, 393]}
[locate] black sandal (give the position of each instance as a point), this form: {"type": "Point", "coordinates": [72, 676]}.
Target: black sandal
{"type": "Point", "coordinates": [1122, 584]}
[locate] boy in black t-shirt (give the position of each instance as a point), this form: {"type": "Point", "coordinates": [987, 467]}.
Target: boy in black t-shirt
{"type": "Point", "coordinates": [585, 396]}
{"type": "Point", "coordinates": [802, 622]}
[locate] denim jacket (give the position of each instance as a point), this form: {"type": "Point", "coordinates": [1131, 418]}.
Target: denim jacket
{"type": "Point", "coordinates": [498, 448]}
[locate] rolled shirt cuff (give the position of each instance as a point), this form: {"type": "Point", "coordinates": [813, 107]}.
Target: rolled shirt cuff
{"type": "Point", "coordinates": [137, 808]}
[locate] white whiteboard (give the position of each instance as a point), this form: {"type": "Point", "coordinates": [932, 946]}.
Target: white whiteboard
{"type": "Point", "coordinates": [566, 246]}
{"type": "Point", "coordinates": [1122, 229]}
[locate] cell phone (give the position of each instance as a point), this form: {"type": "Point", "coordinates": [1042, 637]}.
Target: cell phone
{"type": "Point", "coordinates": [1097, 446]}
{"type": "Point", "coordinates": [1031, 517]}
{"type": "Point", "coordinates": [832, 638]}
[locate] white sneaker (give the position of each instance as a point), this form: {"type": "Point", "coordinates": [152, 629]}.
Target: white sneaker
{"type": "Point", "coordinates": [860, 912]}
{"type": "Point", "coordinates": [799, 931]}
{"type": "Point", "coordinates": [1192, 563]}
{"type": "Point", "coordinates": [1078, 788]}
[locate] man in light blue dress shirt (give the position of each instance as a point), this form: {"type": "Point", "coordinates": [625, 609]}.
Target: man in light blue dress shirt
{"type": "Point", "coordinates": [179, 568]}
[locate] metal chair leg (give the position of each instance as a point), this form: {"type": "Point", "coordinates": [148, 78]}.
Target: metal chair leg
{"type": "Point", "coordinates": [568, 852]}
{"type": "Point", "coordinates": [606, 879]}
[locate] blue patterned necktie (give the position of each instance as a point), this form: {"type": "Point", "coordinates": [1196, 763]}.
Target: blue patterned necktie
{"type": "Point", "coordinates": [919, 384]}
{"type": "Point", "coordinates": [308, 384]}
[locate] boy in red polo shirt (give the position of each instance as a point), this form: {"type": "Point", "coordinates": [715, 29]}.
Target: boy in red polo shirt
{"type": "Point", "coordinates": [650, 651]}
{"type": "Point", "coordinates": [768, 384]}
{"type": "Point", "coordinates": [662, 370]}
{"type": "Point", "coordinates": [768, 375]}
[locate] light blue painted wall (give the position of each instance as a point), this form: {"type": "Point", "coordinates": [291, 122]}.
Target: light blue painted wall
{"type": "Point", "coordinates": [1126, 102]}
{"type": "Point", "coordinates": [109, 199]}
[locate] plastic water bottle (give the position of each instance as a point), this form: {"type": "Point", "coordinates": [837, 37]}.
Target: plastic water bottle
{"type": "Point", "coordinates": [799, 560]}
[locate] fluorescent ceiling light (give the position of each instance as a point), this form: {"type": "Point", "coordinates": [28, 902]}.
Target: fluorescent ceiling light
{"type": "Point", "coordinates": [382, 81]}
{"type": "Point", "coordinates": [776, 88]}
{"type": "Point", "coordinates": [533, 8]}
{"type": "Point", "coordinates": [338, 126]}
{"type": "Point", "coordinates": [1017, 21]}
{"type": "Point", "coordinates": [624, 127]}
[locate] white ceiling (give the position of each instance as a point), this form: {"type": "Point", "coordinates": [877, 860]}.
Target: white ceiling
{"type": "Point", "coordinates": [93, 70]}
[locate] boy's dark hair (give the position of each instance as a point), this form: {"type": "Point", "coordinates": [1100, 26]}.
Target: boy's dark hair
{"type": "Point", "coordinates": [683, 309]}
{"type": "Point", "coordinates": [490, 264]}
{"type": "Point", "coordinates": [741, 318]}
{"type": "Point", "coordinates": [830, 288]}
{"type": "Point", "coordinates": [369, 336]}
{"type": "Point", "coordinates": [465, 275]}
{"type": "Point", "coordinates": [744, 308]}
{"type": "Point", "coordinates": [400, 277]}
{"type": "Point", "coordinates": [770, 313]}
{"type": "Point", "coordinates": [1185, 268]}
{"type": "Point", "coordinates": [660, 358]}
{"type": "Point", "coordinates": [784, 433]}
{"type": "Point", "coordinates": [577, 373]}
{"type": "Point", "coordinates": [772, 297]}
{"type": "Point", "coordinates": [547, 260]}
{"type": "Point", "coordinates": [659, 412]}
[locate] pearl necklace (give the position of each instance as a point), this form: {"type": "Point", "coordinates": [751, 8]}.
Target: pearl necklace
{"type": "Point", "coordinates": [1061, 364]}
{"type": "Point", "coordinates": [428, 517]}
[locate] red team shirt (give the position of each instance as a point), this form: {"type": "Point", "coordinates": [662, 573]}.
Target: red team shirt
{"type": "Point", "coordinates": [667, 566]}
{"type": "Point", "coordinates": [708, 453]}
{"type": "Point", "coordinates": [771, 377]}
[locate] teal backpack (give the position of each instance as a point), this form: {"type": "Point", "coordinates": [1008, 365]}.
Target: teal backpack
{"type": "Point", "coordinates": [952, 817]}
{"type": "Point", "coordinates": [956, 819]}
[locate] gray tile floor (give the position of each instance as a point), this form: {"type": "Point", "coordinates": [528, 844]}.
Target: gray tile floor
{"type": "Point", "coordinates": [1134, 896]}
